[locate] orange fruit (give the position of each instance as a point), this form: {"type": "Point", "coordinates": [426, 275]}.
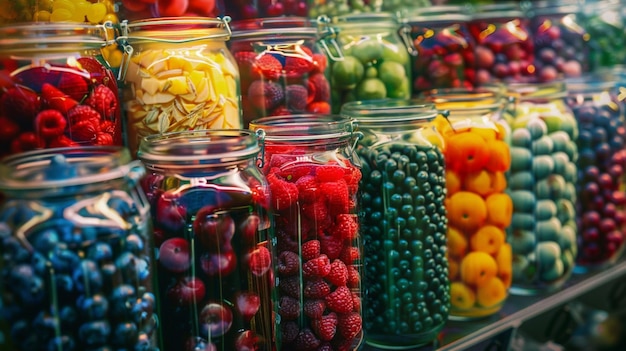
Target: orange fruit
{"type": "Point", "coordinates": [453, 182]}
{"type": "Point", "coordinates": [499, 156]}
{"type": "Point", "coordinates": [477, 268]}
{"type": "Point", "coordinates": [461, 296]}
{"type": "Point", "coordinates": [478, 182]}
{"type": "Point", "coordinates": [502, 130]}
{"type": "Point", "coordinates": [499, 210]}
{"type": "Point", "coordinates": [487, 239]}
{"type": "Point", "coordinates": [466, 152]}
{"type": "Point", "coordinates": [457, 243]}
{"type": "Point", "coordinates": [486, 132]}
{"type": "Point", "coordinates": [491, 293]}
{"type": "Point", "coordinates": [453, 269]}
{"type": "Point", "coordinates": [504, 259]}
{"type": "Point", "coordinates": [466, 211]}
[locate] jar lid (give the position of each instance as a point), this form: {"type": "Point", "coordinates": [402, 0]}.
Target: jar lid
{"type": "Point", "coordinates": [198, 148]}
{"type": "Point", "coordinates": [39, 35]}
{"type": "Point", "coordinates": [63, 170]}
{"type": "Point", "coordinates": [274, 27]}
{"type": "Point", "coordinates": [176, 29]}
{"type": "Point", "coordinates": [304, 127]}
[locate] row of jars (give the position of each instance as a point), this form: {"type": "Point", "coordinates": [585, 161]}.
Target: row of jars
{"type": "Point", "coordinates": [313, 231]}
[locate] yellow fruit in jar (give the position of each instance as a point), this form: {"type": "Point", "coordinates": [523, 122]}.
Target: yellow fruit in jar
{"type": "Point", "coordinates": [504, 259]}
{"type": "Point", "coordinates": [478, 182]}
{"type": "Point", "coordinates": [461, 296]}
{"type": "Point", "coordinates": [487, 239]}
{"type": "Point", "coordinates": [491, 293]}
{"type": "Point", "coordinates": [453, 269]}
{"type": "Point", "coordinates": [467, 211]}
{"type": "Point", "coordinates": [453, 182]}
{"type": "Point", "coordinates": [457, 243]}
{"type": "Point", "coordinates": [477, 268]}
{"type": "Point", "coordinates": [499, 210]}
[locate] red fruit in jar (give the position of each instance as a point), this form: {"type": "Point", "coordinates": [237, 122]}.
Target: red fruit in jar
{"type": "Point", "coordinates": [172, 8]}
{"type": "Point", "coordinates": [80, 113]}
{"type": "Point", "coordinates": [56, 99]}
{"type": "Point", "coordinates": [318, 107]}
{"type": "Point", "coordinates": [74, 85]}
{"type": "Point", "coordinates": [317, 267]}
{"type": "Point", "coordinates": [97, 71]}
{"type": "Point", "coordinates": [21, 104]}
{"type": "Point", "coordinates": [170, 214]}
{"type": "Point", "coordinates": [249, 228]}
{"type": "Point", "coordinates": [296, 67]}
{"type": "Point", "coordinates": [338, 275]}
{"type": "Point", "coordinates": [306, 340]}
{"type": "Point", "coordinates": [288, 263]}
{"type": "Point", "coordinates": [50, 124]}
{"type": "Point", "coordinates": [314, 308]}
{"type": "Point", "coordinates": [134, 5]}
{"type": "Point", "coordinates": [259, 260]}
{"type": "Point", "coordinates": [316, 289]}
{"type": "Point", "coordinates": [296, 97]}
{"type": "Point", "coordinates": [288, 308]}
{"type": "Point", "coordinates": [203, 7]}
{"type": "Point", "coordinates": [218, 264]}
{"type": "Point", "coordinates": [103, 100]}
{"type": "Point", "coordinates": [85, 131]}
{"type": "Point", "coordinates": [268, 66]}
{"type": "Point", "coordinates": [340, 300]}
{"type": "Point", "coordinates": [310, 250]}
{"type": "Point", "coordinates": [174, 255]}
{"type": "Point", "coordinates": [326, 326]}
{"type": "Point", "coordinates": [276, 9]}
{"type": "Point", "coordinates": [350, 325]}
{"type": "Point", "coordinates": [215, 319]}
{"type": "Point", "coordinates": [104, 138]}
{"type": "Point", "coordinates": [27, 141]}
{"type": "Point", "coordinates": [283, 194]}
{"type": "Point", "coordinates": [320, 62]}
{"type": "Point", "coordinates": [484, 57]}
{"type": "Point", "coordinates": [247, 341]}
{"type": "Point", "coordinates": [8, 129]}
{"type": "Point", "coordinates": [35, 77]}
{"type": "Point", "coordinates": [265, 95]}
{"type": "Point", "coordinates": [247, 304]}
{"type": "Point", "coordinates": [62, 141]}
{"type": "Point", "coordinates": [319, 88]}
{"type": "Point", "coordinates": [187, 291]}
{"type": "Point", "coordinates": [214, 231]}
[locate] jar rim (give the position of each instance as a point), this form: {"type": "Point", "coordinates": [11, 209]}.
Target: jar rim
{"type": "Point", "coordinates": [303, 127]}
{"type": "Point", "coordinates": [274, 26]}
{"type": "Point", "coordinates": [369, 19]}
{"type": "Point", "coordinates": [18, 36]}
{"type": "Point", "coordinates": [392, 110]}
{"type": "Point", "coordinates": [486, 96]}
{"type": "Point", "coordinates": [177, 29]}
{"type": "Point", "coordinates": [435, 14]}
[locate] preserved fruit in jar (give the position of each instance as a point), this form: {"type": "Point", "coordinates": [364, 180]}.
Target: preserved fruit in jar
{"type": "Point", "coordinates": [333, 8]}
{"type": "Point", "coordinates": [133, 10]}
{"type": "Point", "coordinates": [56, 90]}
{"type": "Point", "coordinates": [77, 265]}
{"type": "Point", "coordinates": [404, 223]}
{"type": "Point", "coordinates": [314, 182]}
{"type": "Point", "coordinates": [181, 76]}
{"type": "Point", "coordinates": [248, 9]}
{"type": "Point", "coordinates": [213, 240]}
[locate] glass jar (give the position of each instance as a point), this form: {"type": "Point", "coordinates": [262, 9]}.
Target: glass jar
{"type": "Point", "coordinates": [284, 66]}
{"type": "Point", "coordinates": [601, 205]}
{"type": "Point", "coordinates": [375, 63]}
{"type": "Point", "coordinates": [56, 90]}
{"type": "Point", "coordinates": [444, 48]}
{"type": "Point", "coordinates": [180, 76]}
{"type": "Point", "coordinates": [213, 240]}
{"type": "Point", "coordinates": [404, 223]}
{"type": "Point", "coordinates": [133, 10]}
{"type": "Point", "coordinates": [604, 23]}
{"type": "Point", "coordinates": [480, 211]}
{"type": "Point", "coordinates": [542, 184]}
{"type": "Point", "coordinates": [249, 9]}
{"type": "Point", "coordinates": [504, 44]}
{"type": "Point", "coordinates": [560, 40]}
{"type": "Point", "coordinates": [313, 178]}
{"type": "Point", "coordinates": [76, 270]}
{"type": "Point", "coordinates": [335, 8]}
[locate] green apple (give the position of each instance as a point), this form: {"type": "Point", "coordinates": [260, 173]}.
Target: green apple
{"type": "Point", "coordinates": [368, 50]}
{"type": "Point", "coordinates": [548, 254]}
{"type": "Point", "coordinates": [548, 229]}
{"type": "Point", "coordinates": [371, 89]}
{"type": "Point", "coordinates": [559, 139]}
{"type": "Point", "coordinates": [542, 166]}
{"type": "Point", "coordinates": [565, 210]}
{"type": "Point", "coordinates": [521, 137]}
{"type": "Point", "coordinates": [522, 241]}
{"type": "Point", "coordinates": [542, 146]}
{"type": "Point", "coordinates": [545, 209]}
{"type": "Point", "coordinates": [523, 201]}
{"type": "Point", "coordinates": [521, 181]}
{"type": "Point", "coordinates": [523, 221]}
{"type": "Point", "coordinates": [521, 159]}
{"type": "Point", "coordinates": [347, 73]}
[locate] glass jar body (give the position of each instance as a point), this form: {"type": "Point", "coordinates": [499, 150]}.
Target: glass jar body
{"type": "Point", "coordinates": [77, 264]}
{"type": "Point", "coordinates": [404, 224]}
{"type": "Point", "coordinates": [57, 90]}
{"type": "Point", "coordinates": [249, 9]}
{"type": "Point", "coordinates": [133, 10]}
{"type": "Point", "coordinates": [600, 118]}
{"type": "Point", "coordinates": [314, 184]}
{"type": "Point", "coordinates": [213, 240]}
{"type": "Point", "coordinates": [283, 66]}
{"type": "Point", "coordinates": [603, 21]}
{"type": "Point", "coordinates": [345, 7]}
{"type": "Point", "coordinates": [181, 76]}
{"type": "Point", "coordinates": [543, 178]}
{"type": "Point", "coordinates": [477, 156]}
{"type": "Point", "coordinates": [375, 63]}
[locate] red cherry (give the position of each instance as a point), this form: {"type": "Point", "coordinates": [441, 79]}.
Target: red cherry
{"type": "Point", "coordinates": [246, 341]}
{"type": "Point", "coordinates": [174, 255]}
{"type": "Point", "coordinates": [221, 264]}
{"type": "Point", "coordinates": [214, 231]}
{"type": "Point", "coordinates": [247, 304]}
{"type": "Point", "coordinates": [170, 215]}
{"type": "Point", "coordinates": [187, 291]}
{"type": "Point", "coordinates": [249, 228]}
{"type": "Point", "coordinates": [215, 319]}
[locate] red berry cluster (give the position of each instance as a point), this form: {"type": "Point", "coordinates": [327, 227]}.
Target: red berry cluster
{"type": "Point", "coordinates": [317, 234]}
{"type": "Point", "coordinates": [283, 82]}
{"type": "Point", "coordinates": [247, 9]}
{"type": "Point", "coordinates": [58, 106]}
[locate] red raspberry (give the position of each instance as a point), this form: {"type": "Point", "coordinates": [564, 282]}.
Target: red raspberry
{"type": "Point", "coordinates": [56, 99]}
{"type": "Point", "coordinates": [326, 326]}
{"type": "Point", "coordinates": [316, 289]}
{"type": "Point", "coordinates": [288, 263]}
{"type": "Point", "coordinates": [62, 141]}
{"type": "Point", "coordinates": [104, 138]}
{"type": "Point", "coordinates": [346, 226]}
{"type": "Point", "coordinates": [318, 267]}
{"type": "Point", "coordinates": [290, 286]}
{"type": "Point", "coordinates": [310, 250]}
{"type": "Point", "coordinates": [283, 194]}
{"type": "Point", "coordinates": [331, 246]}
{"type": "Point", "coordinates": [354, 278]}
{"type": "Point", "coordinates": [314, 308]}
{"type": "Point", "coordinates": [8, 129]}
{"type": "Point", "coordinates": [50, 124]}
{"type": "Point", "coordinates": [352, 177]}
{"type": "Point", "coordinates": [308, 189]}
{"type": "Point", "coordinates": [337, 196]}
{"type": "Point", "coordinates": [21, 104]}
{"type": "Point", "coordinates": [268, 66]}
{"type": "Point", "coordinates": [84, 131]}
{"type": "Point", "coordinates": [281, 110]}
{"type": "Point", "coordinates": [306, 340]}
{"type": "Point", "coordinates": [318, 107]}
{"type": "Point", "coordinates": [338, 275]}
{"type": "Point", "coordinates": [103, 100]}
{"type": "Point", "coordinates": [295, 172]}
{"type": "Point", "coordinates": [296, 67]}
{"type": "Point", "coordinates": [26, 141]}
{"type": "Point", "coordinates": [349, 255]}
{"type": "Point", "coordinates": [289, 308]}
{"type": "Point", "coordinates": [83, 113]}
{"type": "Point", "coordinates": [356, 301]}
{"type": "Point", "coordinates": [259, 260]}
{"type": "Point", "coordinates": [319, 88]}
{"type": "Point", "coordinates": [108, 127]}
{"type": "Point", "coordinates": [296, 97]}
{"type": "Point", "coordinates": [285, 240]}
{"type": "Point", "coordinates": [317, 212]}
{"type": "Point", "coordinates": [265, 95]}
{"type": "Point", "coordinates": [289, 331]}
{"type": "Point", "coordinates": [330, 173]}
{"type": "Point", "coordinates": [350, 325]}
{"type": "Point", "coordinates": [340, 300]}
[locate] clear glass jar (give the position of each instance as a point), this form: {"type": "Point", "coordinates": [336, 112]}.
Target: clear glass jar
{"type": "Point", "coordinates": [444, 48]}
{"type": "Point", "coordinates": [601, 205]}
{"type": "Point", "coordinates": [213, 240]}
{"type": "Point", "coordinates": [404, 223]}
{"type": "Point", "coordinates": [284, 66]}
{"type": "Point", "coordinates": [333, 8]}
{"type": "Point", "coordinates": [504, 44]}
{"type": "Point", "coordinates": [249, 9]}
{"type": "Point", "coordinates": [56, 90]}
{"type": "Point", "coordinates": [76, 270]}
{"type": "Point", "coordinates": [477, 157]}
{"type": "Point", "coordinates": [313, 177]}
{"type": "Point", "coordinates": [603, 21]}
{"type": "Point", "coordinates": [180, 76]}
{"type": "Point", "coordinates": [560, 39]}
{"type": "Point", "coordinates": [542, 184]}
{"type": "Point", "coordinates": [375, 63]}
{"type": "Point", "coordinates": [133, 10]}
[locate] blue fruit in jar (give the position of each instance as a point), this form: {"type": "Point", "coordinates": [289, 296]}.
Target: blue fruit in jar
{"type": "Point", "coordinates": [93, 334]}
{"type": "Point", "coordinates": [87, 277]}
{"type": "Point", "coordinates": [63, 260]}
{"type": "Point", "coordinates": [93, 307]}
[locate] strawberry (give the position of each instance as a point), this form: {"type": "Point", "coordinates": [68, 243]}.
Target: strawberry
{"type": "Point", "coordinates": [259, 260]}
{"type": "Point", "coordinates": [74, 85]}
{"type": "Point", "coordinates": [296, 67]}
{"type": "Point", "coordinates": [247, 303]}
{"type": "Point", "coordinates": [49, 124]}
{"type": "Point", "coordinates": [337, 196]}
{"type": "Point", "coordinates": [318, 107]}
{"type": "Point", "coordinates": [310, 250]}
{"type": "Point", "coordinates": [338, 275]}
{"type": "Point", "coordinates": [289, 331]}
{"type": "Point", "coordinates": [316, 289]}
{"type": "Point", "coordinates": [306, 340]}
{"type": "Point", "coordinates": [21, 104]}
{"type": "Point", "coordinates": [318, 267]}
{"type": "Point", "coordinates": [319, 88]}
{"type": "Point", "coordinates": [350, 325]}
{"type": "Point", "coordinates": [265, 95]}
{"type": "Point", "coordinates": [288, 308]}
{"type": "Point", "coordinates": [83, 113]}
{"type": "Point", "coordinates": [55, 99]}
{"type": "Point", "coordinates": [314, 308]}
{"type": "Point", "coordinates": [346, 226]}
{"type": "Point", "coordinates": [97, 71]}
{"type": "Point", "coordinates": [308, 190]}
{"type": "Point", "coordinates": [283, 194]}
{"type": "Point", "coordinates": [296, 97]}
{"type": "Point", "coordinates": [293, 172]}
{"type": "Point", "coordinates": [246, 61]}
{"type": "Point", "coordinates": [103, 100]}
{"type": "Point", "coordinates": [326, 326]}
{"type": "Point", "coordinates": [290, 286]}
{"type": "Point", "coordinates": [268, 66]}
{"type": "Point", "coordinates": [288, 263]}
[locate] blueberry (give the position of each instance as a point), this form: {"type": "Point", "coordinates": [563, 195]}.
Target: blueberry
{"type": "Point", "coordinates": [45, 240]}
{"type": "Point", "coordinates": [63, 260]}
{"type": "Point", "coordinates": [125, 335]}
{"type": "Point", "coordinates": [95, 333]}
{"type": "Point", "coordinates": [27, 285]}
{"type": "Point", "coordinates": [99, 252]}
{"type": "Point", "coordinates": [68, 317]}
{"type": "Point", "coordinates": [62, 343]}
{"type": "Point", "coordinates": [87, 277]}
{"type": "Point", "coordinates": [13, 251]}
{"type": "Point", "coordinates": [93, 307]}
{"type": "Point", "coordinates": [134, 243]}
{"type": "Point", "coordinates": [122, 302]}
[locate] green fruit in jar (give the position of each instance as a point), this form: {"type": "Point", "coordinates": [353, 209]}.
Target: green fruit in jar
{"type": "Point", "coordinates": [395, 53]}
{"type": "Point", "coordinates": [537, 128]}
{"type": "Point", "coordinates": [567, 238]}
{"type": "Point", "coordinates": [521, 159]}
{"type": "Point", "coordinates": [545, 209]}
{"type": "Point", "coordinates": [570, 126]}
{"type": "Point", "coordinates": [522, 241]}
{"type": "Point", "coordinates": [571, 149]}
{"type": "Point", "coordinates": [559, 140]}
{"type": "Point", "coordinates": [347, 72]}
{"type": "Point", "coordinates": [522, 181]}
{"type": "Point", "coordinates": [520, 267]}
{"type": "Point", "coordinates": [401, 92]}
{"type": "Point", "coordinates": [568, 260]}
{"type": "Point", "coordinates": [523, 221]}
{"type": "Point", "coordinates": [571, 173]}
{"type": "Point", "coordinates": [371, 89]}
{"type": "Point", "coordinates": [560, 162]}
{"type": "Point", "coordinates": [565, 210]}
{"type": "Point", "coordinates": [569, 193]}
{"type": "Point", "coordinates": [371, 72]}
{"type": "Point", "coordinates": [548, 230]}
{"type": "Point", "coordinates": [369, 50]}
{"type": "Point", "coordinates": [542, 146]}
{"type": "Point", "coordinates": [548, 253]}
{"type": "Point", "coordinates": [554, 272]}
{"type": "Point", "coordinates": [521, 137]}
{"type": "Point", "coordinates": [542, 166]}
{"type": "Point", "coordinates": [392, 74]}
{"type": "Point", "coordinates": [553, 123]}
{"type": "Point", "coordinates": [523, 201]}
